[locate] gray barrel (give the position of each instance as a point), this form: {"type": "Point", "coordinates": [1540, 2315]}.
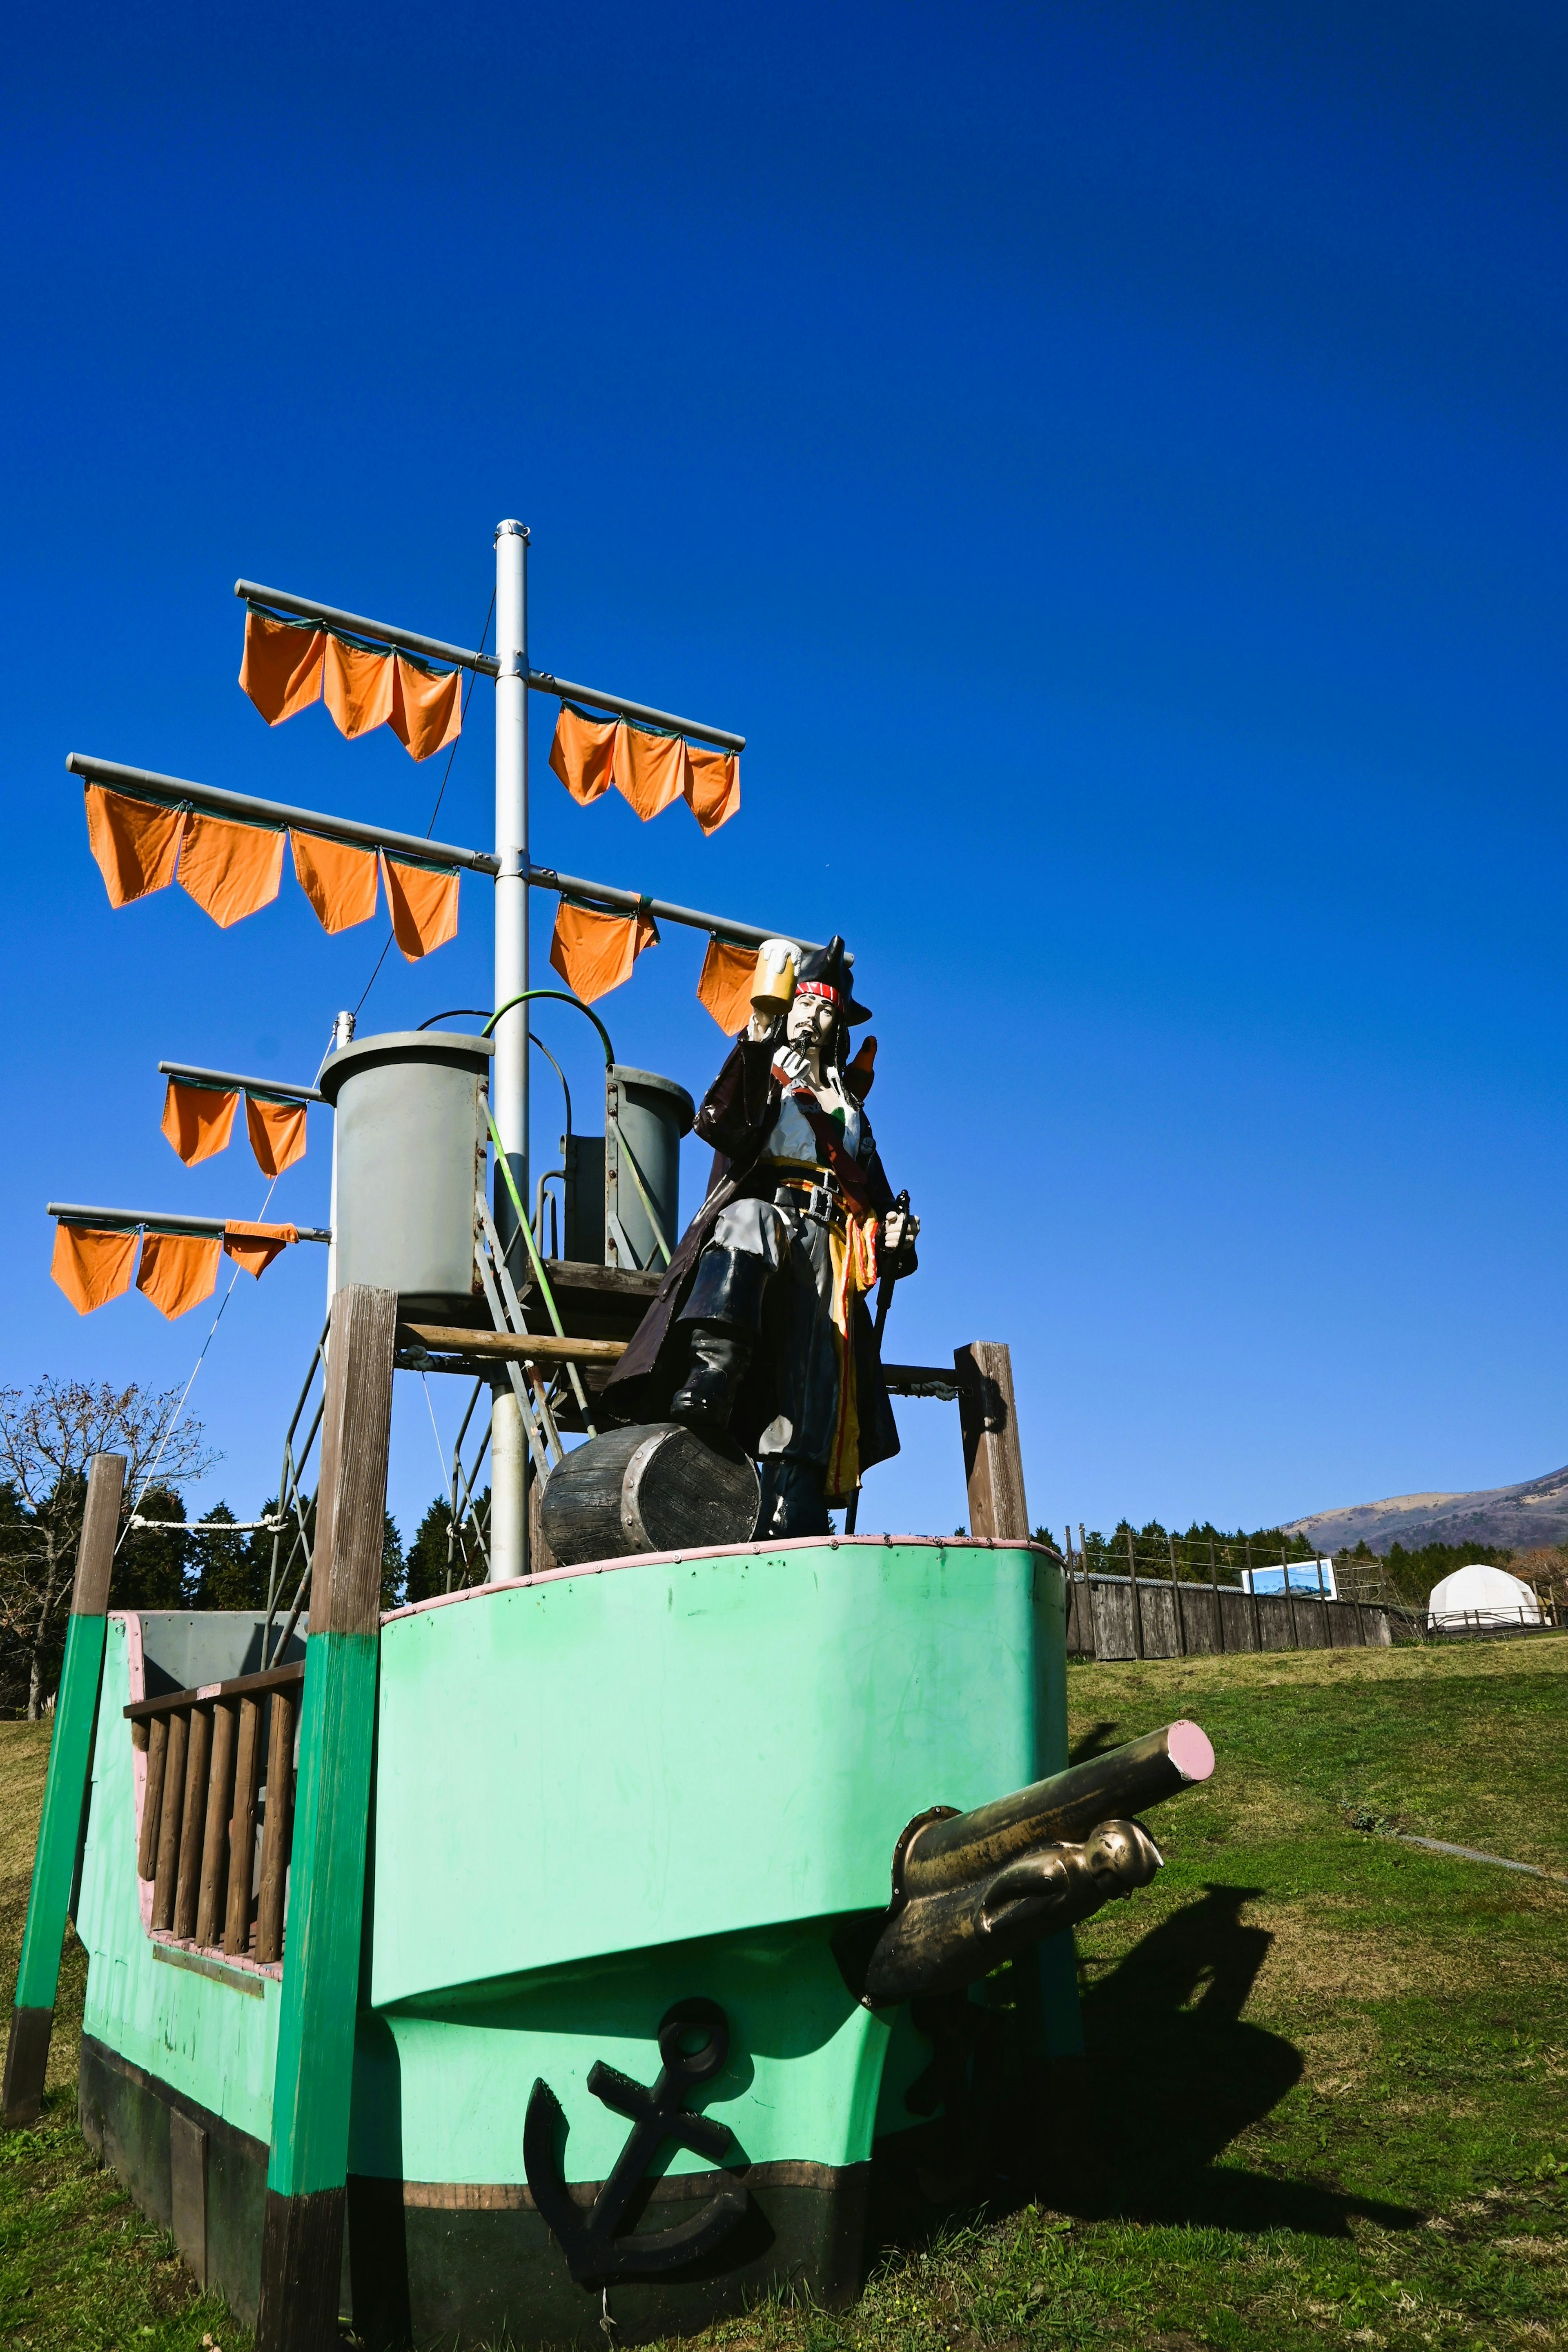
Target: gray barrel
{"type": "Point", "coordinates": [645, 1118]}
{"type": "Point", "coordinates": [409, 1156]}
{"type": "Point", "coordinates": [655, 1487]}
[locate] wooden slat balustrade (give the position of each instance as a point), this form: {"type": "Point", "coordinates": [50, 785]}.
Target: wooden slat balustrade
{"type": "Point", "coordinates": [214, 1755]}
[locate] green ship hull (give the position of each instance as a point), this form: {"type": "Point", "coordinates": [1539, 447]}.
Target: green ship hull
{"type": "Point", "coordinates": [594, 1795]}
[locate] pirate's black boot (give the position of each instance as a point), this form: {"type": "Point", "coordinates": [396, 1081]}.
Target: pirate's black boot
{"type": "Point", "coordinates": [723, 1314]}
{"type": "Point", "coordinates": [719, 1355]}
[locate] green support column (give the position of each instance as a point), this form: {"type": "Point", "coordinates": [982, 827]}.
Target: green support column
{"type": "Point", "coordinates": [65, 1792]}
{"type": "Point", "coordinates": [302, 2233]}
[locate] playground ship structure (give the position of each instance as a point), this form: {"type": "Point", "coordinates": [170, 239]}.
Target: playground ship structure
{"type": "Point", "coordinates": [576, 1949]}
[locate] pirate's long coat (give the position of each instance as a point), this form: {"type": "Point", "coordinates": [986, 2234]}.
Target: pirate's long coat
{"type": "Point", "coordinates": [736, 1116]}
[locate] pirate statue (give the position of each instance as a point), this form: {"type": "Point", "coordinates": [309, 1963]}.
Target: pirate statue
{"type": "Point", "coordinates": [759, 1333]}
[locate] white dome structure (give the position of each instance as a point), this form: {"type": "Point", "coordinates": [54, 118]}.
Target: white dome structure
{"type": "Point", "coordinates": [1480, 1596]}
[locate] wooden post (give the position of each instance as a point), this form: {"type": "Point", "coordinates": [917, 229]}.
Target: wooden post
{"type": "Point", "coordinates": [172, 1813]}
{"type": "Point", "coordinates": [1176, 1598]}
{"type": "Point", "coordinates": [65, 1795]}
{"type": "Point", "coordinates": [1137, 1605]}
{"type": "Point", "coordinates": [214, 1840]}
{"type": "Point", "coordinates": [993, 1458]}
{"type": "Point", "coordinates": [302, 2231]}
{"type": "Point", "coordinates": [275, 1833]}
{"type": "Point", "coordinates": [152, 1797]}
{"type": "Point", "coordinates": [198, 1764]}
{"type": "Point", "coordinates": [242, 1828]}
{"type": "Point", "coordinates": [1093, 1619]}
{"type": "Point", "coordinates": [1290, 1598]}
{"type": "Point", "coordinates": [1218, 1604]}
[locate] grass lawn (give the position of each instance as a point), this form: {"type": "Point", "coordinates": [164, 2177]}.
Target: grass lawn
{"type": "Point", "coordinates": [1327, 2092]}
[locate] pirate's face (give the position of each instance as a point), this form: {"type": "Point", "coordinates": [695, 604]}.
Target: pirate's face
{"type": "Point", "coordinates": [811, 1019]}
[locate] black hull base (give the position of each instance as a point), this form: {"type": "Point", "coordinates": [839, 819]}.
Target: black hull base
{"type": "Point", "coordinates": [440, 2263]}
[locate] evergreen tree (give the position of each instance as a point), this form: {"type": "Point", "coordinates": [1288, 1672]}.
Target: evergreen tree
{"type": "Point", "coordinates": [426, 1573]}
{"type": "Point", "coordinates": [392, 1567]}
{"type": "Point", "coordinates": [231, 1570]}
{"type": "Point", "coordinates": [154, 1570]}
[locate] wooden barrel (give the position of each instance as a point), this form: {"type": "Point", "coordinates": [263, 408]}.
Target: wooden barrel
{"type": "Point", "coordinates": [655, 1487]}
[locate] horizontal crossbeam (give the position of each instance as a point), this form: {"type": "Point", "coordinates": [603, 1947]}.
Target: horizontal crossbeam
{"type": "Point", "coordinates": [178, 791]}
{"type": "Point", "coordinates": [71, 1213]}
{"type": "Point", "coordinates": [229, 1082]}
{"type": "Point", "coordinates": [541, 681]}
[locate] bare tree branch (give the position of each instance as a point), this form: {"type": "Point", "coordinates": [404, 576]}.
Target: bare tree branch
{"type": "Point", "coordinates": [48, 1435]}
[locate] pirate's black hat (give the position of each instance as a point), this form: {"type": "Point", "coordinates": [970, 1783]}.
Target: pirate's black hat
{"type": "Point", "coordinates": [825, 972]}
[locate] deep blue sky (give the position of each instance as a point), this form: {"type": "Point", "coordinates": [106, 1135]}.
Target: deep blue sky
{"type": "Point", "coordinates": [1110, 462]}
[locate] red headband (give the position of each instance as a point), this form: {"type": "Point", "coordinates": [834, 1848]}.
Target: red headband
{"type": "Point", "coordinates": [819, 988]}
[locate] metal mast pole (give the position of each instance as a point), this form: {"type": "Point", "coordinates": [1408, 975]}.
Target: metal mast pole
{"type": "Point", "coordinates": [509, 1450]}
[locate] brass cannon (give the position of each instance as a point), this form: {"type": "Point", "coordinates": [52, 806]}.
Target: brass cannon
{"type": "Point", "coordinates": [972, 1890]}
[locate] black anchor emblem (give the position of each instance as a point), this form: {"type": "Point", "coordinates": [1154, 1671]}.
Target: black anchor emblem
{"type": "Point", "coordinates": [594, 2254]}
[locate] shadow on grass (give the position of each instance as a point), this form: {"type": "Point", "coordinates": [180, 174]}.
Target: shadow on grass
{"type": "Point", "coordinates": [1174, 2074]}
{"type": "Point", "coordinates": [1135, 2131]}
{"type": "Point", "coordinates": [1095, 1741]}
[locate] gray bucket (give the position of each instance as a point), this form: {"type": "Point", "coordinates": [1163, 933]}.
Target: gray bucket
{"type": "Point", "coordinates": [409, 1157]}
{"type": "Point", "coordinates": [645, 1118]}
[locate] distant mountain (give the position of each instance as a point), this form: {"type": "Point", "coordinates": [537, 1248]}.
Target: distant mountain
{"type": "Point", "coordinates": [1523, 1517]}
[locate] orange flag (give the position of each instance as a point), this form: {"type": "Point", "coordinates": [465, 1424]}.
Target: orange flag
{"type": "Point", "coordinates": [581, 754]}
{"type": "Point", "coordinates": [424, 902]}
{"type": "Point", "coordinates": [178, 1270]}
{"type": "Point", "coordinates": [134, 842]}
{"type": "Point", "coordinates": [356, 687]}
{"type": "Point", "coordinates": [595, 952]}
{"type": "Point", "coordinates": [197, 1121]}
{"type": "Point", "coordinates": [230, 869]}
{"type": "Point", "coordinates": [92, 1267]}
{"type": "Point", "coordinates": [426, 708]}
{"type": "Point", "coordinates": [712, 785]}
{"type": "Point", "coordinates": [277, 1133]}
{"type": "Point", "coordinates": [281, 668]}
{"type": "Point", "coordinates": [338, 880]}
{"type": "Point", "coordinates": [729, 975]}
{"type": "Point", "coordinates": [649, 770]}
{"type": "Point", "coordinates": [255, 1247]}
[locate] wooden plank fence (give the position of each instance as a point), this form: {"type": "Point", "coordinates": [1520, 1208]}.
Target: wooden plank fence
{"type": "Point", "coordinates": [1136, 1617]}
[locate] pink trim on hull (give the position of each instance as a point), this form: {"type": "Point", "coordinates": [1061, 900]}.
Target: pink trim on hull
{"type": "Point", "coordinates": [714, 1551]}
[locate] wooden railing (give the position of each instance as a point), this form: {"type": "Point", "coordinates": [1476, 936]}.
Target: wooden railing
{"type": "Point", "coordinates": [207, 1779]}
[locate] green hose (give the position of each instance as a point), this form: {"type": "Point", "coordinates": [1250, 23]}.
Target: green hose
{"type": "Point", "coordinates": [560, 996]}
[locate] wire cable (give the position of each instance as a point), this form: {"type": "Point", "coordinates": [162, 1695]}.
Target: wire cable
{"type": "Point", "coordinates": [175, 1418]}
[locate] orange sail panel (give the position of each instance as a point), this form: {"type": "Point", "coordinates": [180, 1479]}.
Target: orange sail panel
{"type": "Point", "coordinates": [424, 903]}
{"type": "Point", "coordinates": [595, 952]}
{"type": "Point", "coordinates": [255, 1247]}
{"type": "Point", "coordinates": [277, 1133]}
{"type": "Point", "coordinates": [230, 869]}
{"type": "Point", "coordinates": [356, 687]}
{"type": "Point", "coordinates": [581, 754]}
{"type": "Point", "coordinates": [92, 1266]}
{"type": "Point", "coordinates": [134, 842]}
{"type": "Point", "coordinates": [649, 770]}
{"type": "Point", "coordinates": [338, 880]}
{"type": "Point", "coordinates": [281, 668]}
{"type": "Point", "coordinates": [729, 975]}
{"type": "Point", "coordinates": [198, 1121]}
{"type": "Point", "coordinates": [426, 710]}
{"type": "Point", "coordinates": [178, 1270]}
{"type": "Point", "coordinates": [712, 785]}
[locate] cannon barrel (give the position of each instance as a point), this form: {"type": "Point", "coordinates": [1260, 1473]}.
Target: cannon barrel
{"type": "Point", "coordinates": [955, 1851]}
{"type": "Point", "coordinates": [972, 1890]}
